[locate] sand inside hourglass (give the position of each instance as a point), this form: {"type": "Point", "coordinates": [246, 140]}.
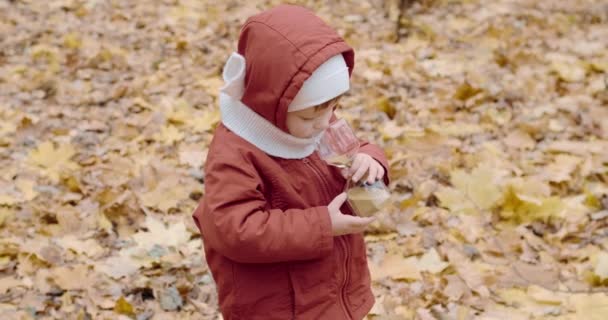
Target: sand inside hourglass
{"type": "Point", "coordinates": [367, 200]}
{"type": "Point", "coordinates": [340, 160]}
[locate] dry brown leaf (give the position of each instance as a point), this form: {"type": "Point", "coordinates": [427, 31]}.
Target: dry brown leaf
{"type": "Point", "coordinates": [98, 130]}
{"type": "Point", "coordinates": [75, 277]}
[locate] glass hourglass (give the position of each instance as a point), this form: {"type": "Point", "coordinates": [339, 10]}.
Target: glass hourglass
{"type": "Point", "coordinates": [338, 144]}
{"type": "Point", "coordinates": [337, 147]}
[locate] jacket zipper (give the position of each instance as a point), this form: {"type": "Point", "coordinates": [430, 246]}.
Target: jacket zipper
{"type": "Point", "coordinates": [346, 278]}
{"type": "Point", "coordinates": [293, 299]}
{"type": "Point", "coordinates": [340, 240]}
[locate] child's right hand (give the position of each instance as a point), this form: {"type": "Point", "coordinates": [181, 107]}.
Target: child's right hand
{"type": "Point", "coordinates": [344, 223]}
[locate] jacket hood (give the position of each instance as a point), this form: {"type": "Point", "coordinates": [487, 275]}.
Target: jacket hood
{"type": "Point", "coordinates": [282, 47]}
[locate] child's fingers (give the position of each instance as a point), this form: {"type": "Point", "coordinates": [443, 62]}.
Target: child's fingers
{"type": "Point", "coordinates": [360, 172]}
{"type": "Point", "coordinates": [367, 220]}
{"type": "Point", "coordinates": [338, 201]}
{"type": "Point", "coordinates": [371, 175]}
{"type": "Point", "coordinates": [356, 164]}
{"type": "Point", "coordinates": [345, 173]}
{"type": "Point", "coordinates": [359, 224]}
{"type": "Point", "coordinates": [380, 172]}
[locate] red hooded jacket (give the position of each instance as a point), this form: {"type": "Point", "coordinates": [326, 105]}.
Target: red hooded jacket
{"type": "Point", "coordinates": [263, 219]}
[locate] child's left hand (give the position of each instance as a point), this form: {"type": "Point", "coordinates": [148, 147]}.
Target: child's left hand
{"type": "Point", "coordinates": [364, 163]}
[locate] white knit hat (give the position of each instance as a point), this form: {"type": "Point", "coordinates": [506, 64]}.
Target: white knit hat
{"type": "Point", "coordinates": [328, 81]}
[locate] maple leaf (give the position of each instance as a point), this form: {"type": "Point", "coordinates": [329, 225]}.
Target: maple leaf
{"type": "Point", "coordinates": [53, 160]}
{"type": "Point", "coordinates": [7, 198]}
{"type": "Point", "coordinates": [9, 282]}
{"type": "Point", "coordinates": [5, 214]}
{"type": "Point", "coordinates": [589, 307]}
{"type": "Point", "coordinates": [179, 111]}
{"type": "Point", "coordinates": [599, 275]}
{"type": "Point", "coordinates": [6, 128]}
{"type": "Point", "coordinates": [164, 197]}
{"type": "Point", "coordinates": [124, 307]}
{"type": "Point", "coordinates": [457, 129]}
{"type": "Point", "coordinates": [431, 262]}
{"type": "Point", "coordinates": [471, 193]}
{"type": "Point", "coordinates": [204, 122]}
{"type": "Point", "coordinates": [562, 168]}
{"type": "Point", "coordinates": [191, 158]}
{"type": "Point", "coordinates": [117, 266]}
{"type": "Point", "coordinates": [571, 72]}
{"type": "Point", "coordinates": [398, 267]}
{"type": "Point", "coordinates": [173, 235]}
{"type": "Point", "coordinates": [27, 189]}
{"type": "Point", "coordinates": [72, 278]}
{"type": "Point", "coordinates": [88, 247]}
{"type": "Point", "coordinates": [526, 200]}
{"type": "Point", "coordinates": [459, 91]}
{"type": "Point", "coordinates": [170, 135]}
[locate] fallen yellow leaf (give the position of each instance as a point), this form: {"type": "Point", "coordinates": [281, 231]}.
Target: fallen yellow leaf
{"type": "Point", "coordinates": [204, 122]}
{"type": "Point", "coordinates": [122, 306]}
{"type": "Point", "coordinates": [5, 214]}
{"type": "Point", "coordinates": [73, 277]}
{"type": "Point", "coordinates": [431, 262]}
{"type": "Point", "coordinates": [173, 235]}
{"type": "Point", "coordinates": [27, 189]}
{"type": "Point", "coordinates": [397, 267]}
{"type": "Point", "coordinates": [589, 306]}
{"type": "Point", "coordinates": [170, 135]}
{"type": "Point", "coordinates": [472, 193]}
{"type": "Point", "coordinates": [570, 72]}
{"type": "Point", "coordinates": [601, 266]}
{"type": "Point", "coordinates": [52, 160]}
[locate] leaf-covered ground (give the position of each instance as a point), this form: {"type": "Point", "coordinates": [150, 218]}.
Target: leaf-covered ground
{"type": "Point", "coordinates": [494, 115]}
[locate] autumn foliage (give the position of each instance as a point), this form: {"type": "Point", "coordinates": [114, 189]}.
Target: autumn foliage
{"type": "Point", "coordinates": [494, 115]}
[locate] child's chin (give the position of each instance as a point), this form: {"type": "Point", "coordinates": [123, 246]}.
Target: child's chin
{"type": "Point", "coordinates": [304, 136]}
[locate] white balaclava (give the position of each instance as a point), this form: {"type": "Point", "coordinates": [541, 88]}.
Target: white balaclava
{"type": "Point", "coordinates": [328, 81]}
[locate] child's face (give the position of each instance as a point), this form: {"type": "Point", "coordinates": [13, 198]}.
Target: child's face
{"type": "Point", "coordinates": [307, 123]}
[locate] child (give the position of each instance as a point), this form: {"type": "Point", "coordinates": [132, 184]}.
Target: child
{"type": "Point", "coordinates": [278, 238]}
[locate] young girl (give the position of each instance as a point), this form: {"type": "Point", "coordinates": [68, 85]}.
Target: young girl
{"type": "Point", "coordinates": [278, 238]}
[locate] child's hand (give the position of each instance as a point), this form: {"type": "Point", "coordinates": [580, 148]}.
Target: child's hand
{"type": "Point", "coordinates": [364, 163]}
{"type": "Point", "coordinates": [344, 223]}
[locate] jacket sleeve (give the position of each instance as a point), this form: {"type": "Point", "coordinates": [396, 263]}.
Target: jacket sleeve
{"type": "Point", "coordinates": [234, 221]}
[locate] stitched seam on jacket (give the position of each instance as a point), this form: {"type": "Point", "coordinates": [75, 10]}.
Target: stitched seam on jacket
{"type": "Point", "coordinates": [276, 199]}
{"type": "Point", "coordinates": [277, 31]}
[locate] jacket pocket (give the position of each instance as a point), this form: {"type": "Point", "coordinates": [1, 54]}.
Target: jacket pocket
{"type": "Point", "coordinates": [263, 292]}
{"type": "Point", "coordinates": [314, 274]}
{"type": "Point", "coordinates": [314, 285]}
